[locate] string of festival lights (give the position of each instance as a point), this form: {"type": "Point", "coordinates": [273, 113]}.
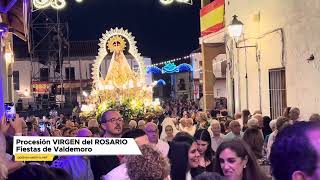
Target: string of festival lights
{"type": "Point", "coordinates": [60, 4]}
{"type": "Point", "coordinates": [174, 60]}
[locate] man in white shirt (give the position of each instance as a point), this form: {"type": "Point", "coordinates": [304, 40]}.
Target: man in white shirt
{"type": "Point", "coordinates": [217, 137]}
{"type": "Point", "coordinates": [152, 132]}
{"type": "Point", "coordinates": [235, 131]}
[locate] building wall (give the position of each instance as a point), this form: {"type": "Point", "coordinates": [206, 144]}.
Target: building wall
{"type": "Point", "coordinates": [301, 23]}
{"type": "Point", "coordinates": [220, 82]}
{"type": "Point", "coordinates": [220, 88]}
{"type": "Point", "coordinates": [24, 66]}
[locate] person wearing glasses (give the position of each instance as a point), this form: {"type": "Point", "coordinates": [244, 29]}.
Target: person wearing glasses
{"type": "Point", "coordinates": [111, 123]}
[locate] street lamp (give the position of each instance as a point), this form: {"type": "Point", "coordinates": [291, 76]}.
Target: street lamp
{"type": "Point", "coordinates": [235, 28]}
{"type": "Point", "coordinates": [235, 31]}
{"type": "Point", "coordinates": [26, 93]}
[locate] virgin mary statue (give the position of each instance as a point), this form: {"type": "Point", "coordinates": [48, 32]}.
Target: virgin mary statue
{"type": "Point", "coordinates": [119, 73]}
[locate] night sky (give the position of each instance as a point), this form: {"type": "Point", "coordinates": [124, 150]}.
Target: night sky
{"type": "Point", "coordinates": [161, 31]}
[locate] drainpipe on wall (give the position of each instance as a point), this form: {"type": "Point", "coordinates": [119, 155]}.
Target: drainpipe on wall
{"type": "Point", "coordinates": [246, 77]}
{"type": "Point", "coordinates": [259, 77]}
{"type": "Point", "coordinates": [239, 87]}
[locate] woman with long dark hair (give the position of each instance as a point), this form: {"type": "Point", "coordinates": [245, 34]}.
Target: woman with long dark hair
{"type": "Point", "coordinates": [203, 139]}
{"type": "Point", "coordinates": [235, 161]}
{"type": "Point", "coordinates": [245, 117]}
{"type": "Point", "coordinates": [183, 155]}
{"type": "Point", "coordinates": [253, 137]}
{"type": "Point", "coordinates": [266, 130]}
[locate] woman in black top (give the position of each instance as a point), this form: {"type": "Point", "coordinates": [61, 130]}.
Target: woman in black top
{"type": "Point", "coordinates": [203, 139]}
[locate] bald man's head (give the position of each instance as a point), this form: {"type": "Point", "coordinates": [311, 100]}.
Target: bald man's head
{"type": "Point", "coordinates": [237, 115]}
{"type": "Point", "coordinates": [235, 127]}
{"type": "Point", "coordinates": [152, 132]}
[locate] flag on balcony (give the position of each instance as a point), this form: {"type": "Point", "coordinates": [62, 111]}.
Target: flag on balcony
{"type": "Point", "coordinates": [212, 17]}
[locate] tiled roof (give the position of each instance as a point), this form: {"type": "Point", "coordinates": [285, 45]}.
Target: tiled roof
{"type": "Point", "coordinates": [77, 49]}
{"type": "Point", "coordinates": [83, 48]}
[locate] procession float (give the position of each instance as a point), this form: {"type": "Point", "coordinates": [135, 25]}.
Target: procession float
{"type": "Point", "coordinates": [122, 88]}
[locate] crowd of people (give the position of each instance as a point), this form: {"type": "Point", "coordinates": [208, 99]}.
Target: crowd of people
{"type": "Point", "coordinates": [181, 144]}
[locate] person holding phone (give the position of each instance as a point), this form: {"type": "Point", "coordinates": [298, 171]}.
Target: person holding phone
{"type": "Point", "coordinates": [10, 111]}
{"type": "Point", "coordinates": [12, 127]}
{"type": "Point", "coordinates": [42, 130]}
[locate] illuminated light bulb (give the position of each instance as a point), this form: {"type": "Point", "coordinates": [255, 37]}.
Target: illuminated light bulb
{"type": "Point", "coordinates": [156, 102]}
{"type": "Point", "coordinates": [154, 83]}
{"type": "Point", "coordinates": [8, 57]}
{"type": "Point", "coordinates": [185, 1]}
{"type": "Point", "coordinates": [134, 103]}
{"type": "Point", "coordinates": [26, 93]}
{"type": "Point", "coordinates": [79, 1]}
{"type": "Point", "coordinates": [146, 102]}
{"type": "Point", "coordinates": [85, 94]}
{"type": "Point", "coordinates": [87, 108]}
{"type": "Point", "coordinates": [130, 84]}
{"type": "Point", "coordinates": [166, 2]}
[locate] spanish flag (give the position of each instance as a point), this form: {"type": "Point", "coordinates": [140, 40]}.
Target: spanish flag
{"type": "Point", "coordinates": [212, 17]}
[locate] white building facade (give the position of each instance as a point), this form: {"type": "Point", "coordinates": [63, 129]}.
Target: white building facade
{"type": "Point", "coordinates": [275, 63]}
{"type": "Point", "coordinates": [284, 67]}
